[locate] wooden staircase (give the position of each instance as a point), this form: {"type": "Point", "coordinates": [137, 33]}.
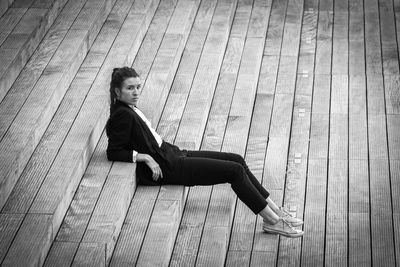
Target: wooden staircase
{"type": "Point", "coordinates": [275, 81]}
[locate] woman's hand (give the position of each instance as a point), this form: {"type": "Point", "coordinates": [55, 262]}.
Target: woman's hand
{"type": "Point", "coordinates": [152, 164]}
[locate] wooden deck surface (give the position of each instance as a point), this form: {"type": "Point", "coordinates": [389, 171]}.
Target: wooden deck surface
{"type": "Point", "coordinates": [308, 91]}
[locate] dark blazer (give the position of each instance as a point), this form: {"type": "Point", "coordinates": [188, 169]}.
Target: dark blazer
{"type": "Point", "coordinates": [126, 132]}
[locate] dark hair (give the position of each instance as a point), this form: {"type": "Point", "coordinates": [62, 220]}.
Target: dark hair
{"type": "Point", "coordinates": [118, 76]}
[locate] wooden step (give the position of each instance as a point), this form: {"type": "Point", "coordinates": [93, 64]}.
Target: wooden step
{"type": "Point", "coordinates": [171, 201]}
{"type": "Point", "coordinates": [206, 236]}
{"type": "Point", "coordinates": [4, 5]}
{"type": "Point", "coordinates": [190, 231]}
{"type": "Point", "coordinates": [48, 148]}
{"type": "Point", "coordinates": [168, 204]}
{"type": "Point", "coordinates": [29, 125]}
{"type": "Point", "coordinates": [162, 71]}
{"type": "Point", "coordinates": [103, 227]}
{"type": "Point", "coordinates": [62, 179]}
{"type": "Point", "coordinates": [18, 42]}
{"type": "Point", "coordinates": [102, 230]}
{"type": "Point", "coordinates": [33, 175]}
{"type": "Point", "coordinates": [32, 71]}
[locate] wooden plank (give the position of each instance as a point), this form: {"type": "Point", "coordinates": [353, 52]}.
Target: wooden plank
{"type": "Point", "coordinates": [340, 50]}
{"type": "Point", "coordinates": [377, 137]}
{"type": "Point", "coordinates": [395, 185]}
{"type": "Point", "coordinates": [388, 38]}
{"type": "Point", "coordinates": [216, 232]}
{"type": "Point", "coordinates": [166, 215]}
{"type": "Point", "coordinates": [262, 259]}
{"type": "Point", "coordinates": [307, 51]}
{"type": "Point", "coordinates": [359, 217]}
{"type": "Point", "coordinates": [203, 87]}
{"type": "Point", "coordinates": [375, 95]}
{"type": "Point", "coordinates": [336, 239]}
{"type": "Point", "coordinates": [290, 249]}
{"type": "Point", "coordinates": [323, 57]}
{"type": "Point", "coordinates": [9, 20]}
{"type": "Point", "coordinates": [172, 203]}
{"type": "Point", "coordinates": [338, 137]}
{"type": "Point", "coordinates": [86, 197]}
{"type": "Point", "coordinates": [36, 231]}
{"type": "Point", "coordinates": [25, 82]}
{"type": "Point", "coordinates": [339, 94]}
{"type": "Point", "coordinates": [237, 258]}
{"type": "Point", "coordinates": [319, 136]}
{"type": "Point", "coordinates": [358, 186]}
{"type": "Point", "coordinates": [174, 107]}
{"type": "Point", "coordinates": [359, 240]}
{"type": "Point", "coordinates": [356, 38]}
{"type": "Point", "coordinates": [34, 23]}
{"type": "Point", "coordinates": [152, 41]}
{"type": "Point", "coordinates": [61, 254]}
{"type": "Point", "coordinates": [9, 225]}
{"type": "Point", "coordinates": [33, 175]}
{"type": "Point", "coordinates": [358, 139]}
{"type": "Point", "coordinates": [276, 23]}
{"type": "Point", "coordinates": [314, 213]}
{"type": "Point", "coordinates": [292, 29]}
{"type": "Point", "coordinates": [32, 117]}
{"type": "Point", "coordinates": [109, 214]}
{"type": "Point", "coordinates": [286, 75]}
{"type": "Point", "coordinates": [4, 5]}
{"type": "Point", "coordinates": [168, 55]}
{"type": "Point", "coordinates": [90, 254]}
{"type": "Point", "coordinates": [193, 220]}
{"type": "Point", "coordinates": [396, 219]}
{"type": "Point", "coordinates": [226, 23]}
{"type": "Point", "coordinates": [76, 151]}
{"type": "Point", "coordinates": [357, 94]}
{"type": "Point", "coordinates": [127, 249]}
{"type": "Point", "coordinates": [259, 19]}
{"type": "Point", "coordinates": [36, 113]}
{"type": "Point", "coordinates": [372, 38]}
{"type": "Point", "coordinates": [381, 219]}
{"type": "Point", "coordinates": [264, 242]}
{"type": "Point", "coordinates": [392, 95]}
{"type": "Point", "coordinates": [92, 111]}
{"type": "Point", "coordinates": [191, 227]}
{"type": "Point", "coordinates": [393, 130]}
{"type": "Point", "coordinates": [336, 213]}
{"type": "Point", "coordinates": [134, 229]}
{"type": "Point", "coordinates": [321, 94]}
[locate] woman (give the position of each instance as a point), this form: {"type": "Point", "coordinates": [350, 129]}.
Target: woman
{"type": "Point", "coordinates": [131, 138]}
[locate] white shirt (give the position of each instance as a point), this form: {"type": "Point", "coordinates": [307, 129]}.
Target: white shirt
{"type": "Point", "coordinates": [148, 123]}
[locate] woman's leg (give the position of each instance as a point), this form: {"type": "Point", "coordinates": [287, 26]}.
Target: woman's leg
{"type": "Point", "coordinates": [231, 157]}
{"type": "Point", "coordinates": [211, 171]}
{"type": "Point", "coordinates": [272, 207]}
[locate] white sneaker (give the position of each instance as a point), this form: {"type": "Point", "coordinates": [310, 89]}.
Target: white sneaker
{"type": "Point", "coordinates": [282, 227]}
{"type": "Point", "coordinates": [289, 217]}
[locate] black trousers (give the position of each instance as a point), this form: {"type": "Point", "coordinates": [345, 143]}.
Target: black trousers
{"type": "Point", "coordinates": [210, 168]}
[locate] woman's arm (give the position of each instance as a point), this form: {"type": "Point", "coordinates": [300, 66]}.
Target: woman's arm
{"type": "Point", "coordinates": [152, 164]}
{"type": "Point", "coordinates": [119, 131]}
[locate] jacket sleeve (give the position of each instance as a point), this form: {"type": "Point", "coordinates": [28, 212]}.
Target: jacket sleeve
{"type": "Point", "coordinates": [119, 129]}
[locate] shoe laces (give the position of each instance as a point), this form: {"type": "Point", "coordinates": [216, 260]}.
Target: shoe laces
{"type": "Point", "coordinates": [289, 224]}
{"type": "Point", "coordinates": [285, 212]}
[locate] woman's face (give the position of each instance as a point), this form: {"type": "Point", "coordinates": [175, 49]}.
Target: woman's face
{"type": "Point", "coordinates": [130, 91]}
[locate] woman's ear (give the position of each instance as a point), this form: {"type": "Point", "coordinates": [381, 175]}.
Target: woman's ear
{"type": "Point", "coordinates": [117, 92]}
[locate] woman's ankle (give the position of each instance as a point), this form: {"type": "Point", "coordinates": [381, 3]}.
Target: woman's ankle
{"type": "Point", "coordinates": [269, 215]}
{"type": "Point", "coordinates": [270, 221]}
